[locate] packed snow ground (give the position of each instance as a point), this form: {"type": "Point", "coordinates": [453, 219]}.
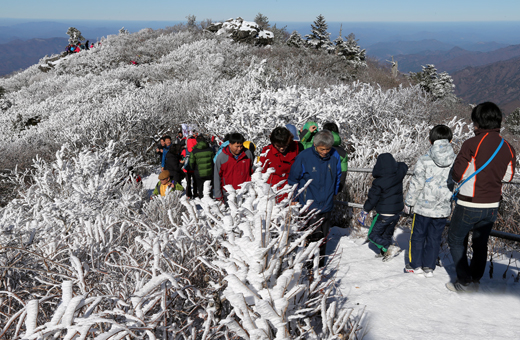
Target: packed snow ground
{"type": "Point", "coordinates": [408, 306]}
{"type": "Point", "coordinates": [401, 305]}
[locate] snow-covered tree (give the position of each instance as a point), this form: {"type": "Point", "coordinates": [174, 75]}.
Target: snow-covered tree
{"type": "Point", "coordinates": [513, 122]}
{"type": "Point", "coordinates": [295, 40]}
{"type": "Point", "coordinates": [74, 35]}
{"type": "Point", "coordinates": [192, 21]}
{"type": "Point", "coordinates": [350, 50]}
{"type": "Point", "coordinates": [262, 21]}
{"type": "Point", "coordinates": [123, 31]}
{"type": "Point", "coordinates": [439, 85]}
{"type": "Point", "coordinates": [319, 38]}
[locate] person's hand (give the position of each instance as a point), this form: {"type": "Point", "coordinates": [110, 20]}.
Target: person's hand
{"type": "Point", "coordinates": [294, 203]}
{"type": "Point", "coordinates": [162, 169]}
{"type": "Point", "coordinates": [182, 162]}
{"type": "Point", "coordinates": [313, 128]}
{"type": "Point", "coordinates": [362, 217]}
{"type": "Point", "coordinates": [156, 150]}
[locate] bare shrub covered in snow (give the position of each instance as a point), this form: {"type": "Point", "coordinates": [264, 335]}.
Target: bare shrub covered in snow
{"type": "Point", "coordinates": [172, 272]}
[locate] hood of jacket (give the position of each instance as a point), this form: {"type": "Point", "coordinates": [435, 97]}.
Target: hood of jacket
{"type": "Point", "coordinates": [337, 139]}
{"type": "Point", "coordinates": [385, 165]}
{"type": "Point", "coordinates": [201, 145]}
{"type": "Point", "coordinates": [442, 153]}
{"type": "Point", "coordinates": [309, 124]}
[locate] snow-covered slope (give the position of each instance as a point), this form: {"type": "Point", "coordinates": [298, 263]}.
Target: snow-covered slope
{"type": "Point", "coordinates": [408, 306]}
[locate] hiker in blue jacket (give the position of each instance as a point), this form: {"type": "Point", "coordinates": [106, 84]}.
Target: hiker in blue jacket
{"type": "Point", "coordinates": [321, 164]}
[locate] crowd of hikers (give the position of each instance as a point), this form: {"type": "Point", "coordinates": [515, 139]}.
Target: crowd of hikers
{"type": "Point", "coordinates": [78, 47]}
{"type": "Point", "coordinates": [314, 162]}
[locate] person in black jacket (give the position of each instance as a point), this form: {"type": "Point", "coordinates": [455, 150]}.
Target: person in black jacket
{"type": "Point", "coordinates": [173, 163]}
{"type": "Point", "coordinates": [386, 196]}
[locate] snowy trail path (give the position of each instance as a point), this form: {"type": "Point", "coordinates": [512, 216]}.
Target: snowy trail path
{"type": "Point", "coordinates": [407, 306]}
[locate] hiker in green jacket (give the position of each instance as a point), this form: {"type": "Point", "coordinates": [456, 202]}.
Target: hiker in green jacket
{"type": "Point", "coordinates": [164, 185]}
{"type": "Point", "coordinates": [332, 127]}
{"type": "Point", "coordinates": [201, 161]}
{"type": "Point", "coordinates": [307, 134]}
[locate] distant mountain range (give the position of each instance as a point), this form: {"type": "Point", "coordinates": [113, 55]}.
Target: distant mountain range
{"type": "Point", "coordinates": [454, 59]}
{"type": "Point", "coordinates": [385, 50]}
{"type": "Point", "coordinates": [498, 82]}
{"type": "Point", "coordinates": [19, 54]}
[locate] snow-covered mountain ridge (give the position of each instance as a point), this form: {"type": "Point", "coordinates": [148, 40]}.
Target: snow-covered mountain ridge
{"type": "Point", "coordinates": [84, 245]}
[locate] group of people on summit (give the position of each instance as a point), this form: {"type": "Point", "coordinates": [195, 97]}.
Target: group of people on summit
{"type": "Point", "coordinates": [314, 162]}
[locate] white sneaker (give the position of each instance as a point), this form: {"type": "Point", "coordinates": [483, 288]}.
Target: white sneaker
{"type": "Point", "coordinates": [428, 272]}
{"type": "Point", "coordinates": [417, 270]}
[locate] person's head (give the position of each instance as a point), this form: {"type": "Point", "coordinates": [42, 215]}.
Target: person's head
{"type": "Point", "coordinates": [486, 116]}
{"type": "Point", "coordinates": [167, 140]}
{"type": "Point", "coordinates": [280, 138]}
{"type": "Point", "coordinates": [162, 141]}
{"type": "Point", "coordinates": [180, 134]}
{"type": "Point", "coordinates": [323, 142]}
{"type": "Point", "coordinates": [236, 143]}
{"type": "Point", "coordinates": [440, 132]}
{"type": "Point", "coordinates": [164, 176]}
{"type": "Point", "coordinates": [176, 149]}
{"type": "Point", "coordinates": [332, 127]}
{"type": "Point", "coordinates": [250, 146]}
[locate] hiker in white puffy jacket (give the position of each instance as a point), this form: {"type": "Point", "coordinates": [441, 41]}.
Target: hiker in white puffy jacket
{"type": "Point", "coordinates": [429, 196]}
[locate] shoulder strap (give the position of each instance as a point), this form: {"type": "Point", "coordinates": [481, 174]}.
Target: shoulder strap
{"type": "Point", "coordinates": [454, 197]}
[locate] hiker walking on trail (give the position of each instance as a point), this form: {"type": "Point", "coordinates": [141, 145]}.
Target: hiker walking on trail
{"type": "Point", "coordinates": [321, 164]}
{"type": "Point", "coordinates": [484, 161]}
{"type": "Point", "coordinates": [201, 161]}
{"type": "Point", "coordinates": [159, 149]}
{"type": "Point", "coordinates": [429, 196]}
{"type": "Point", "coordinates": [166, 148]}
{"type": "Point", "coordinates": [280, 156]}
{"type": "Point", "coordinates": [173, 163]}
{"type": "Point", "coordinates": [234, 166]}
{"type": "Point", "coordinates": [386, 197]}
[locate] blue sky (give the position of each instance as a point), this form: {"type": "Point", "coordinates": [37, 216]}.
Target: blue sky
{"type": "Point", "coordinates": [275, 10]}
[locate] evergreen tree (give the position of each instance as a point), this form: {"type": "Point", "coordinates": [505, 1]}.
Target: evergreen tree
{"type": "Point", "coordinates": [74, 35]}
{"type": "Point", "coordinates": [280, 34]}
{"type": "Point", "coordinates": [319, 38]}
{"type": "Point", "coordinates": [513, 122]}
{"type": "Point", "coordinates": [439, 85]}
{"type": "Point", "coordinates": [262, 21]}
{"type": "Point", "coordinates": [295, 40]}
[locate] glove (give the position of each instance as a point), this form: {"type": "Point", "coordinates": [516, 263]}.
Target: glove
{"type": "Point", "coordinates": [407, 210]}
{"type": "Point", "coordinates": [362, 217]}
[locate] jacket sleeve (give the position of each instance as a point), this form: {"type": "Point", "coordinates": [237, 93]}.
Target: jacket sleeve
{"type": "Point", "coordinates": [296, 172]}
{"type": "Point", "coordinates": [156, 190]}
{"type": "Point", "coordinates": [217, 185]}
{"type": "Point", "coordinates": [339, 174]}
{"type": "Point", "coordinates": [164, 157]}
{"type": "Point", "coordinates": [461, 163]}
{"type": "Point", "coordinates": [306, 138]}
{"type": "Point", "coordinates": [510, 171]}
{"type": "Point", "coordinates": [373, 197]}
{"type": "Point", "coordinates": [192, 160]}
{"type": "Point", "coordinates": [416, 184]}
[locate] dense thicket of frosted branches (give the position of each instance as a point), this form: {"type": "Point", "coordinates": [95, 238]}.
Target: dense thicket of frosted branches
{"type": "Point", "coordinates": [84, 250]}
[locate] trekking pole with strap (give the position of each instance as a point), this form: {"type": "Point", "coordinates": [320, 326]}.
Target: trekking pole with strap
{"type": "Point", "coordinates": [454, 197]}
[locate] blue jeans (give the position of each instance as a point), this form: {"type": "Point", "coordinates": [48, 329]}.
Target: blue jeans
{"type": "Point", "coordinates": [425, 241]}
{"type": "Point", "coordinates": [464, 220]}
{"type": "Point", "coordinates": [382, 230]}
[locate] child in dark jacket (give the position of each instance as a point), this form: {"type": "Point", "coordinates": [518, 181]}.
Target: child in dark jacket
{"type": "Point", "coordinates": [386, 196]}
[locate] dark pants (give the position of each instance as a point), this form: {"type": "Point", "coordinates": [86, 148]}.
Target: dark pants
{"type": "Point", "coordinates": [321, 232]}
{"type": "Point", "coordinates": [190, 180]}
{"type": "Point", "coordinates": [176, 176]}
{"type": "Point", "coordinates": [425, 241]}
{"type": "Point", "coordinates": [464, 220]}
{"type": "Point", "coordinates": [382, 230]}
{"type": "Point", "coordinates": [199, 181]}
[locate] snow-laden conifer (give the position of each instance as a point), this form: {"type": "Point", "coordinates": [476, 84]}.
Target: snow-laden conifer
{"type": "Point", "coordinates": [319, 38]}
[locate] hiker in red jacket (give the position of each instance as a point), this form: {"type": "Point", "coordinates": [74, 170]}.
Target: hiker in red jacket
{"type": "Point", "coordinates": [280, 155]}
{"type": "Point", "coordinates": [234, 166]}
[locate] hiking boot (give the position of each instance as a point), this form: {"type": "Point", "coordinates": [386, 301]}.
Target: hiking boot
{"type": "Point", "coordinates": [459, 287]}
{"type": "Point", "coordinates": [428, 272]}
{"type": "Point", "coordinates": [409, 269]}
